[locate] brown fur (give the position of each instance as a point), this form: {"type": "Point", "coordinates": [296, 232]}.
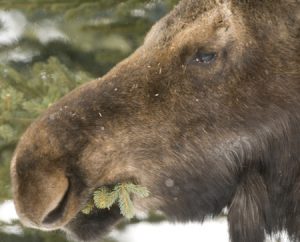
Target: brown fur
{"type": "Point", "coordinates": [199, 136]}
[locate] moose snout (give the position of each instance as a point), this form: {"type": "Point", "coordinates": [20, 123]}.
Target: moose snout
{"type": "Point", "coordinates": [40, 201]}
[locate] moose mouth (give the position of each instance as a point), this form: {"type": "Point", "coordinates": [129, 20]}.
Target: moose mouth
{"type": "Point", "coordinates": [82, 227]}
{"type": "Point", "coordinates": [90, 227]}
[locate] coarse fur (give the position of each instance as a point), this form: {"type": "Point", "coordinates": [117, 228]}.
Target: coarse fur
{"type": "Point", "coordinates": [200, 135]}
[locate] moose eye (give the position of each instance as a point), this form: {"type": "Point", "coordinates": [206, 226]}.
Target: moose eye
{"type": "Point", "coordinates": [205, 58]}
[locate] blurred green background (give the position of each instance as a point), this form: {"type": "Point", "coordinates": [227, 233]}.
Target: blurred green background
{"type": "Point", "coordinates": [47, 48]}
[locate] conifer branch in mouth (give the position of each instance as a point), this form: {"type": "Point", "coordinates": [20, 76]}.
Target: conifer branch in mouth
{"type": "Point", "coordinates": [105, 197]}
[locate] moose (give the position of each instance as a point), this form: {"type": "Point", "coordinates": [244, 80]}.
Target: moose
{"type": "Point", "coordinates": [205, 114]}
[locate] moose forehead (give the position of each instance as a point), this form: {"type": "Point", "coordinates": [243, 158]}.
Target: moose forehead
{"type": "Point", "coordinates": [206, 15]}
{"type": "Point", "coordinates": [201, 18]}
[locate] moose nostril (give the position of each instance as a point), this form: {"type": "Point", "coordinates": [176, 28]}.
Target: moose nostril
{"type": "Point", "coordinates": [57, 212]}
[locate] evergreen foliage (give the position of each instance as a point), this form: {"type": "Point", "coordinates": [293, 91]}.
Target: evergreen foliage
{"type": "Point", "coordinates": [104, 198]}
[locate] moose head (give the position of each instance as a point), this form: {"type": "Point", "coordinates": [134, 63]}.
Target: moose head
{"type": "Point", "coordinates": [205, 114]}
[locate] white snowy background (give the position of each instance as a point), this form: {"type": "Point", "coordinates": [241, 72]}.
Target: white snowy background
{"type": "Point", "coordinates": [210, 231]}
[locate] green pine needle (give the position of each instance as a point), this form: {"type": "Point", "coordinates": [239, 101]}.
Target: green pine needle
{"type": "Point", "coordinates": [125, 204]}
{"type": "Point", "coordinates": [138, 190]}
{"type": "Point", "coordinates": [105, 198]}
